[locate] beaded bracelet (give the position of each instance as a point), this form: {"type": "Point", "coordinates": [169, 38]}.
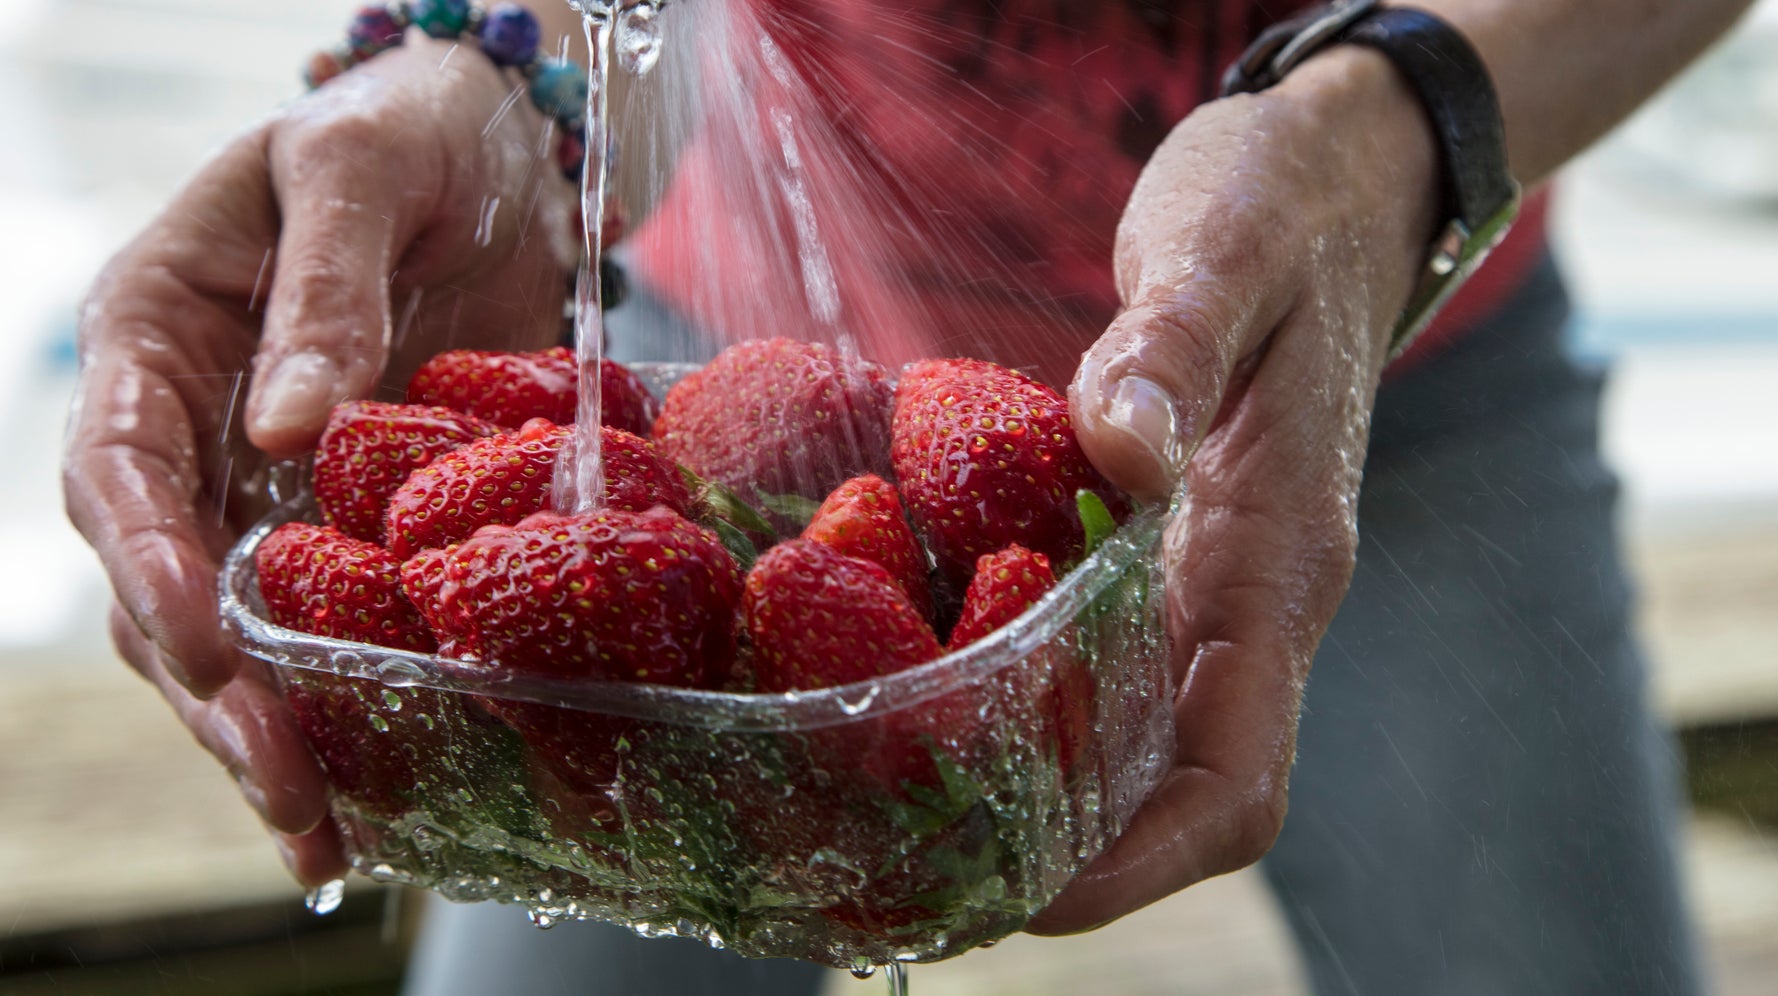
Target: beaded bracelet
{"type": "Point", "coordinates": [507, 33]}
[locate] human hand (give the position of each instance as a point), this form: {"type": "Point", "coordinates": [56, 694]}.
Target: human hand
{"type": "Point", "coordinates": [1264, 257]}
{"type": "Point", "coordinates": [402, 209]}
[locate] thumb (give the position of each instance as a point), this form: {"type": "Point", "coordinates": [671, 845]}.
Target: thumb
{"type": "Point", "coordinates": [1149, 389]}
{"type": "Point", "coordinates": [327, 324]}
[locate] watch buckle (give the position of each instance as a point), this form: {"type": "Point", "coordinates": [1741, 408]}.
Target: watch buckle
{"type": "Point", "coordinates": [1457, 252]}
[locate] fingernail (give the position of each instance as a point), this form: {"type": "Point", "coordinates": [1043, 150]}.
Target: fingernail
{"type": "Point", "coordinates": [1145, 411]}
{"type": "Point", "coordinates": [298, 392]}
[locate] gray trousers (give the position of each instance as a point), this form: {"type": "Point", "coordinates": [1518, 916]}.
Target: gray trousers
{"type": "Point", "coordinates": [1481, 802]}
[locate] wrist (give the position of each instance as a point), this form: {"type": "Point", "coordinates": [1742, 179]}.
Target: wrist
{"type": "Point", "coordinates": [1391, 149]}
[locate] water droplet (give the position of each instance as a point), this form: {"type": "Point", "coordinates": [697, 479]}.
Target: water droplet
{"type": "Point", "coordinates": [326, 898]}
{"type": "Point", "coordinates": [392, 699]}
{"type": "Point", "coordinates": [541, 920]}
{"type": "Point", "coordinates": [865, 972]}
{"type": "Point", "coordinates": [378, 723]}
{"type": "Point", "coordinates": [346, 662]}
{"type": "Point", "coordinates": [853, 707]}
{"type": "Point", "coordinates": [399, 673]}
{"type": "Point", "coordinates": [639, 38]}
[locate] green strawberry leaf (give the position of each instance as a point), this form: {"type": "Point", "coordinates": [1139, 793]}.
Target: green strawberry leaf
{"type": "Point", "coordinates": [796, 508]}
{"type": "Point", "coordinates": [728, 507]}
{"type": "Point", "coordinates": [1095, 520]}
{"type": "Point", "coordinates": [737, 543]}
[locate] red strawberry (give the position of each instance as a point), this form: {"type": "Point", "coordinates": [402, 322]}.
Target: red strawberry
{"type": "Point", "coordinates": [986, 457]}
{"type": "Point", "coordinates": [370, 447]}
{"type": "Point", "coordinates": [1005, 585]}
{"type": "Point", "coordinates": [863, 518]}
{"type": "Point", "coordinates": [611, 595]}
{"type": "Point", "coordinates": [513, 388]}
{"type": "Point", "coordinates": [818, 619]}
{"type": "Point", "coordinates": [315, 580]}
{"type": "Point", "coordinates": [504, 478]}
{"type": "Point", "coordinates": [776, 416]}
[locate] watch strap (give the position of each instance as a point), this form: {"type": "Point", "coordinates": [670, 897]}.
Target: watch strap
{"type": "Point", "coordinates": [1477, 191]}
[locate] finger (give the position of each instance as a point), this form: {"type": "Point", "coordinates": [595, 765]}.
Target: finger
{"type": "Point", "coordinates": [247, 728]}
{"type": "Point", "coordinates": [1257, 565]}
{"type": "Point", "coordinates": [316, 857]}
{"type": "Point", "coordinates": [132, 484]}
{"type": "Point", "coordinates": [327, 323]}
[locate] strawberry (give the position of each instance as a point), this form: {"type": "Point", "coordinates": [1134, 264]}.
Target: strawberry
{"type": "Point", "coordinates": [370, 447]}
{"type": "Point", "coordinates": [609, 595]}
{"type": "Point", "coordinates": [510, 389]}
{"type": "Point", "coordinates": [1005, 585]}
{"type": "Point", "coordinates": [986, 457]}
{"type": "Point", "coordinates": [316, 580]}
{"type": "Point", "coordinates": [612, 595]}
{"type": "Point", "coordinates": [502, 479]}
{"type": "Point", "coordinates": [776, 416]}
{"type": "Point", "coordinates": [818, 619]}
{"type": "Point", "coordinates": [863, 518]}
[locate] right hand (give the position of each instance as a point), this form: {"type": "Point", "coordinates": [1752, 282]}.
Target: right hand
{"type": "Point", "coordinates": [399, 210]}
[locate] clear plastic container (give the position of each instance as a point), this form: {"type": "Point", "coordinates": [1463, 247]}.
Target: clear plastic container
{"type": "Point", "coordinates": [773, 825]}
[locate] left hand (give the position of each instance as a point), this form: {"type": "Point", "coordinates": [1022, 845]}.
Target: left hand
{"type": "Point", "coordinates": [1263, 259]}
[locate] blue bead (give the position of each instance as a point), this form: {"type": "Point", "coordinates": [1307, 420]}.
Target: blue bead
{"type": "Point", "coordinates": [510, 34]}
{"type": "Point", "coordinates": [560, 90]}
{"type": "Point", "coordinates": [440, 18]}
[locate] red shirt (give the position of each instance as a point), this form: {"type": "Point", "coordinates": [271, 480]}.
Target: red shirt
{"type": "Point", "coordinates": [964, 164]}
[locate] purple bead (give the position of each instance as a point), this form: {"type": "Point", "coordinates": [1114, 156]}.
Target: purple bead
{"type": "Point", "coordinates": [510, 34]}
{"type": "Point", "coordinates": [373, 30]}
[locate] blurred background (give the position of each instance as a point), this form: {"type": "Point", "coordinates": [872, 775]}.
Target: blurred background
{"type": "Point", "coordinates": [131, 866]}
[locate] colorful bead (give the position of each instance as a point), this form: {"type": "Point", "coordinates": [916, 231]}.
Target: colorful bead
{"type": "Point", "coordinates": [373, 30]}
{"type": "Point", "coordinates": [560, 90]}
{"type": "Point", "coordinates": [440, 18]}
{"type": "Point", "coordinates": [324, 66]}
{"type": "Point", "coordinates": [510, 35]}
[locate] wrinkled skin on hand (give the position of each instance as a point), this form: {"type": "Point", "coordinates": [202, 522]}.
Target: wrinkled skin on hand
{"type": "Point", "coordinates": [1263, 259]}
{"type": "Point", "coordinates": [320, 256]}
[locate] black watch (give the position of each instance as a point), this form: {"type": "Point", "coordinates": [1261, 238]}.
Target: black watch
{"type": "Point", "coordinates": [1479, 195]}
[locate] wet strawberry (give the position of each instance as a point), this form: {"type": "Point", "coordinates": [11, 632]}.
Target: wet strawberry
{"type": "Point", "coordinates": [1005, 585]}
{"type": "Point", "coordinates": [370, 447]}
{"type": "Point", "coordinates": [986, 457]}
{"type": "Point", "coordinates": [776, 416]}
{"type": "Point", "coordinates": [863, 518]}
{"type": "Point", "coordinates": [609, 595]}
{"type": "Point", "coordinates": [613, 595]}
{"type": "Point", "coordinates": [502, 479]}
{"type": "Point", "coordinates": [512, 388]}
{"type": "Point", "coordinates": [818, 619]}
{"type": "Point", "coordinates": [316, 580]}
